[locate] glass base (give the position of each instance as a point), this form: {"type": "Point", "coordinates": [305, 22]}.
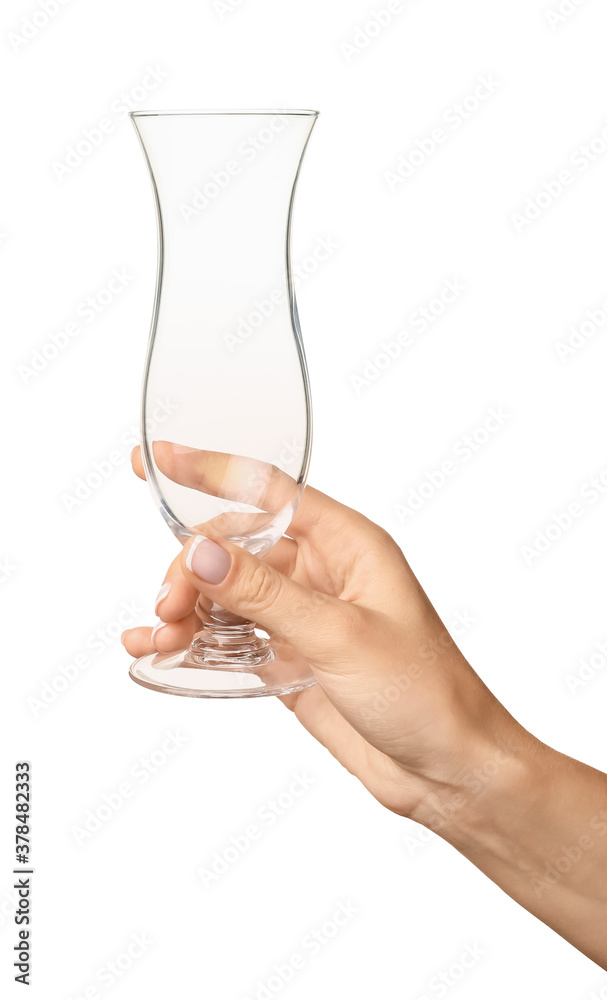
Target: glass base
{"type": "Point", "coordinates": [283, 671]}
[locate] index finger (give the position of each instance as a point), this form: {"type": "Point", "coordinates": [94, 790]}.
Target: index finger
{"type": "Point", "coordinates": [312, 516]}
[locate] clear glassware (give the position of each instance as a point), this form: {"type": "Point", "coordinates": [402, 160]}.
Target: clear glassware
{"type": "Point", "coordinates": [226, 423]}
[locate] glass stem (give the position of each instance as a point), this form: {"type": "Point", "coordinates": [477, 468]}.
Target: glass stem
{"type": "Point", "coordinates": [228, 640]}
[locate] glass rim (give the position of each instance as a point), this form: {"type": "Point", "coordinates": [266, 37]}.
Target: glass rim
{"type": "Point", "coordinates": [271, 111]}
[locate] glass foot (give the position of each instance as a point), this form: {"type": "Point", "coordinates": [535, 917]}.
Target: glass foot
{"type": "Point", "coordinates": [186, 672]}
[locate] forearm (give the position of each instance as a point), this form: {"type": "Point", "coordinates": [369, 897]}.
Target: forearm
{"type": "Point", "coordinates": [535, 822]}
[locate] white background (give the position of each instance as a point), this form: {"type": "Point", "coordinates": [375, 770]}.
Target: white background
{"type": "Point", "coordinates": [66, 575]}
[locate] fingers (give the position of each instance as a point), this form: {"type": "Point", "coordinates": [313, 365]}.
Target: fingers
{"type": "Point", "coordinates": [177, 597]}
{"type": "Point", "coordinates": [229, 476]}
{"type": "Point", "coordinates": [137, 641]}
{"type": "Point", "coordinates": [175, 635]}
{"type": "Point", "coordinates": [283, 556]}
{"type": "Point", "coordinates": [253, 588]}
{"type": "Point", "coordinates": [137, 462]}
{"type": "Point", "coordinates": [313, 513]}
{"type": "Point", "coordinates": [161, 638]}
{"type": "Point", "coordinates": [220, 474]}
{"type": "Point", "coordinates": [175, 606]}
{"type": "Point", "coordinates": [182, 607]}
{"type": "Point", "coordinates": [325, 723]}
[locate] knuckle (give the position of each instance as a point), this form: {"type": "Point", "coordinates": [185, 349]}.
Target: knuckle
{"type": "Point", "coordinates": [383, 537]}
{"type": "Point", "coordinates": [379, 551]}
{"type": "Point", "coordinates": [261, 586]}
{"type": "Point", "coordinates": [380, 542]}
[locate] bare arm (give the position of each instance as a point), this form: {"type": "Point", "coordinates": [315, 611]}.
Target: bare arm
{"type": "Point", "coordinates": [397, 703]}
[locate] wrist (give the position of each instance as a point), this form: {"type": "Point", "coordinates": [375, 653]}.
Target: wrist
{"type": "Point", "coordinates": [489, 779]}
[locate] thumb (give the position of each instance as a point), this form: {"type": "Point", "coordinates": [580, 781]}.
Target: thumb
{"type": "Point", "coordinates": [314, 623]}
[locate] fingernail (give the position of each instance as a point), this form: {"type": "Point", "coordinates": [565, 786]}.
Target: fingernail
{"type": "Point", "coordinates": [208, 560]}
{"type": "Point", "coordinates": [162, 593]}
{"type": "Point", "coordinates": [157, 628]}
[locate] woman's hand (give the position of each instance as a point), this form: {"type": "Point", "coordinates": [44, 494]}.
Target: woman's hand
{"type": "Point", "coordinates": [395, 695]}
{"type": "Point", "coordinates": [399, 706]}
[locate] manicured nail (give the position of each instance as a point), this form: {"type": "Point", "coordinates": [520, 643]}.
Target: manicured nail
{"type": "Point", "coordinates": [157, 628]}
{"type": "Point", "coordinates": [162, 593]}
{"type": "Point", "coordinates": [208, 560]}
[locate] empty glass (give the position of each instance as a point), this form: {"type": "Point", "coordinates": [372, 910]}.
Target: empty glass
{"type": "Point", "coordinates": [226, 362]}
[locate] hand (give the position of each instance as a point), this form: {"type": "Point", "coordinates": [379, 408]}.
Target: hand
{"type": "Point", "coordinates": [400, 707]}
{"type": "Point", "coordinates": [396, 701]}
